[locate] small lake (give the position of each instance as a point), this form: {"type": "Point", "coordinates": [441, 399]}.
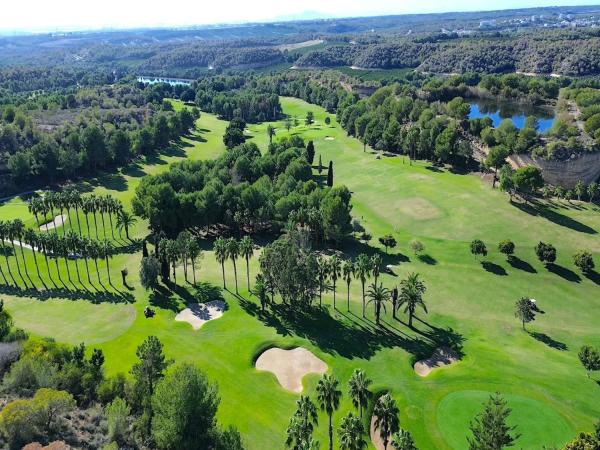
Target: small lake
{"type": "Point", "coordinates": [517, 112]}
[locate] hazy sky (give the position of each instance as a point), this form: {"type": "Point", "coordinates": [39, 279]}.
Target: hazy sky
{"type": "Point", "coordinates": [85, 14]}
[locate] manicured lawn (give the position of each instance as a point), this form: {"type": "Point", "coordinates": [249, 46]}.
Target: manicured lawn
{"type": "Point", "coordinates": [469, 302]}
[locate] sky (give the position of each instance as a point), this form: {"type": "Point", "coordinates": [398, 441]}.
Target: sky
{"type": "Point", "coordinates": [55, 15]}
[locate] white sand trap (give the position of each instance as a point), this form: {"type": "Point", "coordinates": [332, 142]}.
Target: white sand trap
{"type": "Point", "coordinates": [442, 356]}
{"type": "Point", "coordinates": [57, 222]}
{"type": "Point", "coordinates": [198, 314]}
{"type": "Point", "coordinates": [290, 366]}
{"type": "Point", "coordinates": [330, 138]}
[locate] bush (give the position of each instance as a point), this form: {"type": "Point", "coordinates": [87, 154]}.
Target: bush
{"type": "Point", "coordinates": [478, 248]}
{"type": "Point", "coordinates": [30, 374]}
{"type": "Point", "coordinates": [416, 246]}
{"type": "Point", "coordinates": [117, 415]}
{"type": "Point", "coordinates": [507, 247]}
{"type": "Point", "coordinates": [584, 261]}
{"type": "Point", "coordinates": [546, 253]}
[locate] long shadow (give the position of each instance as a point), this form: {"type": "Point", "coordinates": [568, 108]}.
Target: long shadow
{"type": "Point", "coordinates": [427, 259]}
{"type": "Point", "coordinates": [593, 276]}
{"type": "Point", "coordinates": [563, 272]}
{"type": "Point", "coordinates": [349, 338]}
{"type": "Point", "coordinates": [206, 292]}
{"type": "Point", "coordinates": [537, 209]}
{"type": "Point", "coordinates": [163, 298]}
{"type": "Point", "coordinates": [493, 268]}
{"type": "Point", "coordinates": [93, 297]}
{"type": "Point", "coordinates": [552, 343]}
{"type": "Point", "coordinates": [518, 263]}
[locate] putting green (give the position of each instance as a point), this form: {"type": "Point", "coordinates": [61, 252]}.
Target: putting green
{"type": "Point", "coordinates": [539, 423]}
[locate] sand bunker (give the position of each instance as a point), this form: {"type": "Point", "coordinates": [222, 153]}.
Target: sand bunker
{"type": "Point", "coordinates": [329, 138]}
{"type": "Point", "coordinates": [198, 314]}
{"type": "Point", "coordinates": [442, 356]}
{"type": "Point", "coordinates": [375, 436]}
{"type": "Point", "coordinates": [57, 222]}
{"type": "Point", "coordinates": [290, 366]}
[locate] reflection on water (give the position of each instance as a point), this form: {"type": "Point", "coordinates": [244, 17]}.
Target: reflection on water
{"type": "Point", "coordinates": [517, 112]}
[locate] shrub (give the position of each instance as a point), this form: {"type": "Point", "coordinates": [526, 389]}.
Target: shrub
{"type": "Point", "coordinates": [546, 253]}
{"type": "Point", "coordinates": [416, 246]}
{"type": "Point", "coordinates": [507, 247]}
{"type": "Point", "coordinates": [584, 261]}
{"type": "Point", "coordinates": [478, 248]}
{"type": "Point", "coordinates": [30, 374]}
{"type": "Point", "coordinates": [117, 415]}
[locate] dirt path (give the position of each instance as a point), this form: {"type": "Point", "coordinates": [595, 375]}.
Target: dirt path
{"type": "Point", "coordinates": [57, 222]}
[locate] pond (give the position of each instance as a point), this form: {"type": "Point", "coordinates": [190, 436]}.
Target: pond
{"type": "Point", "coordinates": [517, 112]}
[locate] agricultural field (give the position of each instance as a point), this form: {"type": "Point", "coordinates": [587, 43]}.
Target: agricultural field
{"type": "Point", "coordinates": [470, 300]}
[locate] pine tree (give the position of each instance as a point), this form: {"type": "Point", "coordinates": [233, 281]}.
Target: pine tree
{"type": "Point", "coordinates": [330, 174]}
{"type": "Point", "coordinates": [490, 430]}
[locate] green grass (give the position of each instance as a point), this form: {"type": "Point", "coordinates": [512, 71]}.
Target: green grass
{"type": "Point", "coordinates": [468, 302]}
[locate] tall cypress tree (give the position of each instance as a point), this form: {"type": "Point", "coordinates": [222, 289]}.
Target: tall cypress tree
{"type": "Point", "coordinates": [310, 152]}
{"type": "Point", "coordinates": [330, 174]}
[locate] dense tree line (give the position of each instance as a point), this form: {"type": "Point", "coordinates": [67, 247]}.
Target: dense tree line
{"type": "Point", "coordinates": [242, 189]}
{"type": "Point", "coordinates": [106, 130]}
{"type": "Point", "coordinates": [236, 97]}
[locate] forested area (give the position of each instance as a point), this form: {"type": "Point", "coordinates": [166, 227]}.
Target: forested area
{"type": "Point", "coordinates": [73, 133]}
{"type": "Point", "coordinates": [244, 190]}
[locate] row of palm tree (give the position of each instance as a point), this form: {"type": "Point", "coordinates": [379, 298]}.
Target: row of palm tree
{"type": "Point", "coordinates": [352, 431]}
{"type": "Point", "coordinates": [70, 246]}
{"type": "Point", "coordinates": [232, 249]}
{"type": "Point", "coordinates": [69, 200]}
{"type": "Point", "coordinates": [184, 249]}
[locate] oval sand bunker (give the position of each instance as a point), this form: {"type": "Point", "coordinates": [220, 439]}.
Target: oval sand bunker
{"type": "Point", "coordinates": [290, 366]}
{"type": "Point", "coordinates": [198, 314]}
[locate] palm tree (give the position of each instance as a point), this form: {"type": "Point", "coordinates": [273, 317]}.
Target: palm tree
{"type": "Point", "coordinates": [351, 433]}
{"type": "Point", "coordinates": [270, 132]}
{"type": "Point", "coordinates": [376, 262]}
{"type": "Point", "coordinates": [4, 234]}
{"type": "Point", "coordinates": [328, 396]}
{"type": "Point", "coordinates": [233, 251]}
{"type": "Point", "coordinates": [302, 423]}
{"type": "Point", "coordinates": [113, 207]}
{"type": "Point", "coordinates": [358, 390]}
{"type": "Point", "coordinates": [85, 252]}
{"type": "Point", "coordinates": [73, 244]}
{"type": "Point", "coordinates": [95, 207]}
{"type": "Point", "coordinates": [31, 239]}
{"type": "Point", "coordinates": [335, 270]}
{"type": "Point", "coordinates": [103, 207]}
{"type": "Point", "coordinates": [15, 230]}
{"type": "Point", "coordinates": [247, 251]}
{"type": "Point", "coordinates": [87, 206]}
{"type": "Point", "coordinates": [402, 440]}
{"type": "Point", "coordinates": [261, 291]}
{"type": "Point", "coordinates": [34, 206]}
{"type": "Point", "coordinates": [362, 270]}
{"type": "Point", "coordinates": [220, 249]}
{"type": "Point", "coordinates": [51, 199]}
{"type": "Point", "coordinates": [76, 202]}
{"type": "Point", "coordinates": [386, 418]}
{"type": "Point", "coordinates": [348, 274]}
{"type": "Point", "coordinates": [125, 220]}
{"type": "Point", "coordinates": [378, 295]}
{"type": "Point", "coordinates": [411, 295]}
{"type": "Point", "coordinates": [194, 253]}
{"type": "Point", "coordinates": [173, 253]}
{"type": "Point", "coordinates": [106, 251]}
{"type": "Point", "coordinates": [183, 245]}
{"type": "Point", "coordinates": [42, 241]}
{"type": "Point", "coordinates": [53, 242]}
{"type": "Point", "coordinates": [94, 251]}
{"type": "Point", "coordinates": [61, 203]}
{"type": "Point", "coordinates": [322, 274]}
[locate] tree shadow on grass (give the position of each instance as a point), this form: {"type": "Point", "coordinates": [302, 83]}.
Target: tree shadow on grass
{"type": "Point", "coordinates": [552, 343]}
{"type": "Point", "coordinates": [518, 263]}
{"type": "Point", "coordinates": [593, 276]}
{"type": "Point", "coordinates": [493, 268]}
{"type": "Point", "coordinates": [63, 293]}
{"type": "Point", "coordinates": [349, 336]}
{"type": "Point", "coordinates": [563, 272]}
{"type": "Point", "coordinates": [427, 259]}
{"type": "Point", "coordinates": [538, 209]}
{"type": "Point", "coordinates": [206, 292]}
{"type": "Point", "coordinates": [163, 298]}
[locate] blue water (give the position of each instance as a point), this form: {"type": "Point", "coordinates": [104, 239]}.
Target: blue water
{"type": "Point", "coordinates": [501, 111]}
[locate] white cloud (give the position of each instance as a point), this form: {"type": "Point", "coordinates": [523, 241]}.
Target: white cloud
{"type": "Point", "coordinates": [61, 14]}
